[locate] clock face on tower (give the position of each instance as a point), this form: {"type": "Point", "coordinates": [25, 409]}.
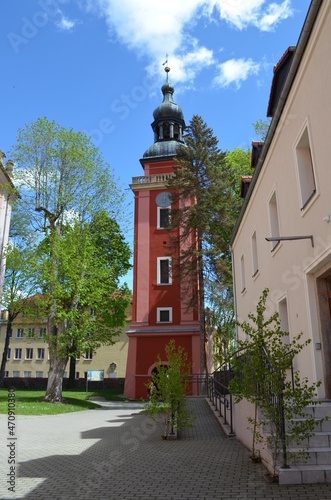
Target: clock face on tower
{"type": "Point", "coordinates": [163, 200]}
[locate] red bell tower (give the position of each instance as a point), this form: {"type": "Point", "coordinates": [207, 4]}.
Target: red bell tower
{"type": "Point", "coordinates": [159, 311]}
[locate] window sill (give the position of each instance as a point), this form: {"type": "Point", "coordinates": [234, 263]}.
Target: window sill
{"type": "Point", "coordinates": [256, 274]}
{"type": "Point", "coordinates": [275, 249]}
{"type": "Point", "coordinates": [307, 205]}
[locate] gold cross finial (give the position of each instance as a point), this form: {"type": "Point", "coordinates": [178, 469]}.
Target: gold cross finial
{"type": "Point", "coordinates": [166, 69]}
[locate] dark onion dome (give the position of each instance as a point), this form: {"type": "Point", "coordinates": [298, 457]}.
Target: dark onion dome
{"type": "Point", "coordinates": [162, 148]}
{"type": "Point", "coordinates": [168, 125]}
{"type": "Point", "coordinates": [168, 108]}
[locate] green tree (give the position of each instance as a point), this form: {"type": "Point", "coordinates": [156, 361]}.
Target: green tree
{"type": "Point", "coordinates": [201, 175]}
{"type": "Point", "coordinates": [64, 182]}
{"type": "Point", "coordinates": [261, 128]}
{"type": "Point", "coordinates": [170, 388]}
{"type": "Point", "coordinates": [261, 378]}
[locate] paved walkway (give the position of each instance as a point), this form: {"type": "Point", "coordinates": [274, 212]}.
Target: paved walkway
{"type": "Point", "coordinates": [116, 453]}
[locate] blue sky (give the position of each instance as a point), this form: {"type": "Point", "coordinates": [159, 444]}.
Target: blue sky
{"type": "Point", "coordinates": [96, 65]}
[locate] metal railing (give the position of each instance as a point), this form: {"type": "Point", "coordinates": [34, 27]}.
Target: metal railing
{"type": "Point", "coordinates": [220, 395]}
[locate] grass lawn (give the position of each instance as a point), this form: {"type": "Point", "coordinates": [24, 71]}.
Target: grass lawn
{"type": "Point", "coordinates": [29, 402]}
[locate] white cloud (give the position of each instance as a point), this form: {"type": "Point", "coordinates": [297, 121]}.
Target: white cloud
{"type": "Point", "coordinates": [65, 24]}
{"type": "Point", "coordinates": [152, 28]}
{"type": "Point", "coordinates": [235, 71]}
{"type": "Point", "coordinates": [275, 13]}
{"type": "Point", "coordinates": [240, 13]}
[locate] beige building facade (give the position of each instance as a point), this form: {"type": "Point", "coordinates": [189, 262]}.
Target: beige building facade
{"type": "Point", "coordinates": [29, 357]}
{"type": "Point", "coordinates": [289, 199]}
{"type": "Point", "coordinates": [7, 196]}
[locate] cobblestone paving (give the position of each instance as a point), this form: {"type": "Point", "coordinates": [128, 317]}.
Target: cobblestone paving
{"type": "Point", "coordinates": [116, 453]}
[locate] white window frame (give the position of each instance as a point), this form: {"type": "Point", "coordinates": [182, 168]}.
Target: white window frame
{"type": "Point", "coordinates": [29, 350]}
{"type": "Point", "coordinates": [159, 260]}
{"type": "Point", "coordinates": [19, 333]}
{"type": "Point", "coordinates": [305, 168]}
{"type": "Point", "coordinates": [27, 374]}
{"type": "Point", "coordinates": [40, 350]}
{"type": "Point", "coordinates": [158, 226]}
{"type": "Point", "coordinates": [31, 332]}
{"type": "Point", "coordinates": [16, 373]}
{"type": "Point", "coordinates": [255, 258]}
{"type": "Point", "coordinates": [243, 275]}
{"type": "Point", "coordinates": [18, 350]}
{"type": "Point", "coordinates": [8, 353]}
{"type": "Point", "coordinates": [88, 354]}
{"type": "Point", "coordinates": [39, 374]}
{"type": "Point", "coordinates": [274, 219]}
{"type": "Point", "coordinates": [284, 318]}
{"type": "Point", "coordinates": [158, 314]}
{"type": "Point", "coordinates": [42, 333]}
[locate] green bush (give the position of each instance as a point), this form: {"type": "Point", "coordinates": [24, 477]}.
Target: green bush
{"type": "Point", "coordinates": [168, 389]}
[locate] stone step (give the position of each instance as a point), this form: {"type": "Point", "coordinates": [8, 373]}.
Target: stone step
{"type": "Point", "coordinates": [314, 456]}
{"type": "Point", "coordinates": [318, 440]}
{"type": "Point", "coordinates": [305, 474]}
{"type": "Point", "coordinates": [320, 425]}
{"type": "Point", "coordinates": [318, 411]}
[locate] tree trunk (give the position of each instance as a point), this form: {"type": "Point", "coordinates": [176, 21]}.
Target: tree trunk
{"type": "Point", "coordinates": [6, 347]}
{"type": "Point", "coordinates": [55, 380]}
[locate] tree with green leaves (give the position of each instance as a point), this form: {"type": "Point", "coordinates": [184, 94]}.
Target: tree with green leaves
{"type": "Point", "coordinates": [261, 377]}
{"type": "Point", "coordinates": [201, 176]}
{"type": "Point", "coordinates": [261, 128]}
{"type": "Point", "coordinates": [64, 184]}
{"type": "Point", "coordinates": [211, 179]}
{"type": "Point", "coordinates": [170, 388]}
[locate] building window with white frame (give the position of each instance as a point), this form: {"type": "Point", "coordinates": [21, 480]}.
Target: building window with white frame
{"type": "Point", "coordinates": [19, 334]}
{"type": "Point", "coordinates": [274, 220]}
{"type": "Point", "coordinates": [40, 353]}
{"type": "Point", "coordinates": [163, 217]}
{"type": "Point", "coordinates": [243, 278]}
{"type": "Point", "coordinates": [88, 354]}
{"type": "Point", "coordinates": [164, 271]}
{"type": "Point", "coordinates": [164, 314]}
{"type": "Point", "coordinates": [28, 353]}
{"type": "Point", "coordinates": [255, 260]}
{"type": "Point", "coordinates": [283, 317]}
{"type": "Point", "coordinates": [18, 353]}
{"type": "Point", "coordinates": [39, 374]}
{"type": "Point", "coordinates": [27, 374]}
{"type": "Point", "coordinates": [30, 333]}
{"type": "Point", "coordinates": [42, 333]}
{"type": "Point", "coordinates": [6, 374]}
{"type": "Point", "coordinates": [8, 353]}
{"type": "Point", "coordinates": [305, 169]}
{"type": "Point", "coordinates": [16, 373]}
